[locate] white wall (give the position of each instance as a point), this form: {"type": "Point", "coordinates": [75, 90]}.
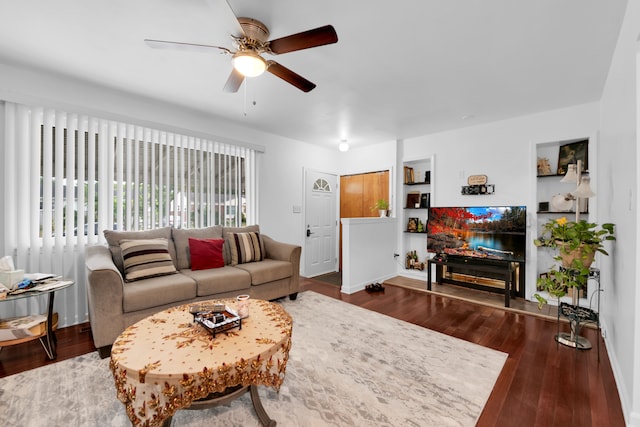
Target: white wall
{"type": "Point", "coordinates": [367, 256]}
{"type": "Point", "coordinates": [281, 186]}
{"type": "Point", "coordinates": [618, 175]}
{"type": "Point", "coordinates": [370, 158]}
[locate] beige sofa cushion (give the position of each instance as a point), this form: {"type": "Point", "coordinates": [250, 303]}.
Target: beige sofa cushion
{"type": "Point", "coordinates": [226, 234]}
{"type": "Point", "coordinates": [157, 291]}
{"type": "Point", "coordinates": [267, 270]}
{"type": "Point", "coordinates": [219, 280]}
{"type": "Point", "coordinates": [114, 237]}
{"type": "Point", "coordinates": [145, 258]}
{"type": "Point", "coordinates": [245, 247]}
{"type": "Point", "coordinates": [181, 240]}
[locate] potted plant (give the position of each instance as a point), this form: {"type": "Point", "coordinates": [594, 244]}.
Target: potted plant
{"type": "Point", "coordinates": [382, 206]}
{"type": "Point", "coordinates": [577, 243]}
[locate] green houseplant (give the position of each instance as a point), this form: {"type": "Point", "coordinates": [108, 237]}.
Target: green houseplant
{"type": "Point", "coordinates": [382, 206]}
{"type": "Point", "coordinates": [577, 243]}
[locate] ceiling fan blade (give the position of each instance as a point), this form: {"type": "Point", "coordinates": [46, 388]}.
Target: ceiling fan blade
{"type": "Point", "coordinates": [290, 77]}
{"type": "Point", "coordinates": [317, 37]}
{"type": "Point", "coordinates": [222, 9]}
{"type": "Point", "coordinates": [234, 81]}
{"type": "Point", "coordinates": [191, 47]}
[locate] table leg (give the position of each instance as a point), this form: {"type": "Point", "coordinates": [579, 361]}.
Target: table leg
{"type": "Point", "coordinates": [507, 289]}
{"type": "Point", "coordinates": [428, 275]}
{"type": "Point", "coordinates": [264, 418]}
{"type": "Point", "coordinates": [49, 340]}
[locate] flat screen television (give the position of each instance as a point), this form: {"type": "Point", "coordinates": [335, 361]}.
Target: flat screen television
{"type": "Point", "coordinates": [496, 232]}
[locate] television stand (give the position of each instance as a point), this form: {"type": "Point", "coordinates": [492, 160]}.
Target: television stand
{"type": "Point", "coordinates": [478, 267]}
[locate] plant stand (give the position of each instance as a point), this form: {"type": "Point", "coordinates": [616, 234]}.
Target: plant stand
{"type": "Point", "coordinates": [577, 317]}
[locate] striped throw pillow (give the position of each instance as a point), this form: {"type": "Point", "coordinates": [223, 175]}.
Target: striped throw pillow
{"type": "Point", "coordinates": [245, 247]}
{"type": "Point", "coordinates": [146, 258]}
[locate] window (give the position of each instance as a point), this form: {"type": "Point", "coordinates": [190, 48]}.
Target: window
{"type": "Point", "coordinates": [321, 185]}
{"type": "Point", "coordinates": [95, 174]}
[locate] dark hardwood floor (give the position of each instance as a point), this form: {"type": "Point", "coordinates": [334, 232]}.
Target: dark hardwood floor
{"type": "Point", "coordinates": [541, 384]}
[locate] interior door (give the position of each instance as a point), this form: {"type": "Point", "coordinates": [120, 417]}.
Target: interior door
{"type": "Point", "coordinates": [321, 223]}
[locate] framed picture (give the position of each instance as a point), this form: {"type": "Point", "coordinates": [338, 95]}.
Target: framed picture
{"type": "Point", "coordinates": [412, 225]}
{"type": "Point", "coordinates": [413, 199]}
{"type": "Point", "coordinates": [425, 200]}
{"type": "Point", "coordinates": [571, 153]}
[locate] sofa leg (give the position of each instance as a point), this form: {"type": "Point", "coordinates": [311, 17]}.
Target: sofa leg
{"type": "Point", "coordinates": [293, 297]}
{"type": "Point", "coordinates": [104, 352]}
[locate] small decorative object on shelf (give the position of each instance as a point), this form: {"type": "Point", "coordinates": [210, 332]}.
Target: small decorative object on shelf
{"type": "Point", "coordinates": [412, 261]}
{"type": "Point", "coordinates": [413, 199]}
{"type": "Point", "coordinates": [382, 206]}
{"type": "Point", "coordinates": [544, 168]}
{"type": "Point", "coordinates": [412, 225]}
{"type": "Point", "coordinates": [409, 177]}
{"type": "Point", "coordinates": [477, 184]}
{"type": "Point", "coordinates": [425, 200]}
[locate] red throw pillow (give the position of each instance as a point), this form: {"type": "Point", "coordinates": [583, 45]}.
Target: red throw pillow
{"type": "Point", "coordinates": [206, 253]}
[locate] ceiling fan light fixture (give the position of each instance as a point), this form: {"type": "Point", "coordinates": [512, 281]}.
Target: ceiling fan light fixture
{"type": "Point", "coordinates": [249, 63]}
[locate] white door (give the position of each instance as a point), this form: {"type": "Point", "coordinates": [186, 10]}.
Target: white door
{"type": "Point", "coordinates": [321, 223]}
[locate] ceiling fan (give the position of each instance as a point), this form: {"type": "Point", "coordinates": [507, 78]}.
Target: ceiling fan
{"type": "Point", "coordinates": [251, 40]}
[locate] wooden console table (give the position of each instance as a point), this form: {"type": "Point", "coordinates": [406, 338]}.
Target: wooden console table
{"type": "Point", "coordinates": [503, 269]}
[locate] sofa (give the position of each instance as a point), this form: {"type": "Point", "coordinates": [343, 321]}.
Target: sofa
{"type": "Point", "coordinates": [139, 273]}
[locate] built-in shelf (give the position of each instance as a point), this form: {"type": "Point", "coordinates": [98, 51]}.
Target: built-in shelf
{"type": "Point", "coordinates": [414, 199]}
{"type": "Point", "coordinates": [562, 212]}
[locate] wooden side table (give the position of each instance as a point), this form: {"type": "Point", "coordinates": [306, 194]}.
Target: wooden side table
{"type": "Point", "coordinates": [47, 335]}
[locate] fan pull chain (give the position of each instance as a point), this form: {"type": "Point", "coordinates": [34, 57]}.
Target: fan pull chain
{"type": "Point", "coordinates": [246, 83]}
{"type": "Point", "coordinates": [245, 98]}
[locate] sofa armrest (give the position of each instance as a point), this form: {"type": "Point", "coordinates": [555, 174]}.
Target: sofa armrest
{"type": "Point", "coordinates": [105, 295]}
{"type": "Point", "coordinates": [281, 251]}
{"type": "Point", "coordinates": [285, 252]}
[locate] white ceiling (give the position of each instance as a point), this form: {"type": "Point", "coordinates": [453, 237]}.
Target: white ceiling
{"type": "Point", "coordinates": [400, 69]}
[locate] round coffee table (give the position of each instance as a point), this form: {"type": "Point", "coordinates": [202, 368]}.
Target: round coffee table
{"type": "Point", "coordinates": [166, 362]}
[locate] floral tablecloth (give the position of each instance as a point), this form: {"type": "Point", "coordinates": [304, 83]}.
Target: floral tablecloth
{"type": "Point", "coordinates": [166, 361]}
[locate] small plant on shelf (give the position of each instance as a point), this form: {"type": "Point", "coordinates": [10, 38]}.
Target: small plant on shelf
{"type": "Point", "coordinates": [382, 206]}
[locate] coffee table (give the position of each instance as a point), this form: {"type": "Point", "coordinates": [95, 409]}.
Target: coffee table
{"type": "Point", "coordinates": [166, 362]}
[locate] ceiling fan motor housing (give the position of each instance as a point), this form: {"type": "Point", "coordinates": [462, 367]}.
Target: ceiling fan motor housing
{"type": "Point", "coordinates": [254, 30]}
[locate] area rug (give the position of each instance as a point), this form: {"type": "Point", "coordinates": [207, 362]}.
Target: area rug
{"type": "Point", "coordinates": [348, 366]}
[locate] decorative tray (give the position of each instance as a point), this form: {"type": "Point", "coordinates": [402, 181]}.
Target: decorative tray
{"type": "Point", "coordinates": [218, 318]}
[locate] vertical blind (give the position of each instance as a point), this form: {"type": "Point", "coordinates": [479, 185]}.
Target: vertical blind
{"type": "Point", "coordinates": [69, 176]}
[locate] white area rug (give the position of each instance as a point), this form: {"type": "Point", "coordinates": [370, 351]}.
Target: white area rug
{"type": "Point", "coordinates": [348, 367]}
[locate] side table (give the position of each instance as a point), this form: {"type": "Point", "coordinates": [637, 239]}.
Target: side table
{"type": "Point", "coordinates": [47, 337]}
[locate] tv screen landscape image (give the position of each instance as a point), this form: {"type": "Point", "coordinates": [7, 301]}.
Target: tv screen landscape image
{"type": "Point", "coordinates": [496, 232]}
